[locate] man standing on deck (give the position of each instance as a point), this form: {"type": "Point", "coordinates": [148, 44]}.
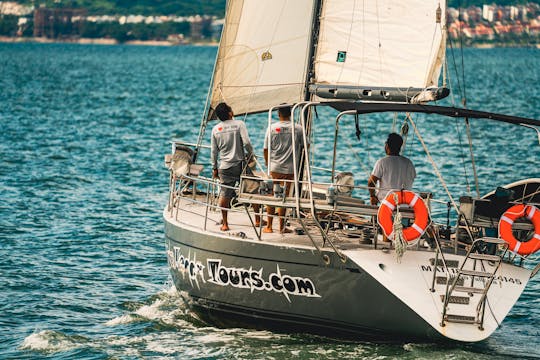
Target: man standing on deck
{"type": "Point", "coordinates": [229, 138]}
{"type": "Point", "coordinates": [281, 159]}
{"type": "Point", "coordinates": [392, 172]}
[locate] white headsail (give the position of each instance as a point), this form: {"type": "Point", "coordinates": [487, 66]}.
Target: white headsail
{"type": "Point", "coordinates": [263, 55]}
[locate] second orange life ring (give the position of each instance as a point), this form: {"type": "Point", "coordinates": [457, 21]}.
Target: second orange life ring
{"type": "Point", "coordinates": [505, 228]}
{"type": "Point", "coordinates": [421, 214]}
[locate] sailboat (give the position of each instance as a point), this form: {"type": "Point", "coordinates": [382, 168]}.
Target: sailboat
{"type": "Point", "coordinates": [454, 279]}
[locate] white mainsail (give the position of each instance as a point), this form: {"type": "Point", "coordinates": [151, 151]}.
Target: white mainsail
{"type": "Point", "coordinates": [383, 43]}
{"type": "Point", "coordinates": [263, 54]}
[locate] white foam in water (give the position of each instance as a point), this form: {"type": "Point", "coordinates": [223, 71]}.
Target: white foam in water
{"type": "Point", "coordinates": [49, 341]}
{"type": "Point", "coordinates": [162, 346]}
{"type": "Point", "coordinates": [262, 335]}
{"type": "Point", "coordinates": [166, 309]}
{"type": "Point", "coordinates": [171, 289]}
{"type": "Point", "coordinates": [151, 311]}
{"type": "Point", "coordinates": [120, 320]}
{"type": "Point", "coordinates": [123, 340]}
{"type": "Point", "coordinates": [215, 338]}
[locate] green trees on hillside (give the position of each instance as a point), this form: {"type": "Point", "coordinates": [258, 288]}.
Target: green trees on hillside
{"type": "Point", "coordinates": [200, 7]}
{"type": "Point", "coordinates": [127, 32]}
{"type": "Point", "coordinates": [142, 7]}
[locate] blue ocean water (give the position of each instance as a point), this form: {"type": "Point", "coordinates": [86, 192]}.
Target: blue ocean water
{"type": "Point", "coordinates": [83, 271]}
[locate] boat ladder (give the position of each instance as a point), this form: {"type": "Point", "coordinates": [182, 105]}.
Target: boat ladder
{"type": "Point", "coordinates": [456, 285]}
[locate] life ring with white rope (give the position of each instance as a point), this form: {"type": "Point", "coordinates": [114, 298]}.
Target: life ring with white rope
{"type": "Point", "coordinates": [414, 201]}
{"type": "Point", "coordinates": [505, 228]}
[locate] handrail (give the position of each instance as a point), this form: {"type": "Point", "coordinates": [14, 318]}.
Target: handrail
{"type": "Point", "coordinates": [336, 131]}
{"type": "Point", "coordinates": [295, 160]}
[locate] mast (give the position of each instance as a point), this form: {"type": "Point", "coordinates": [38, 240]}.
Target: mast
{"type": "Point", "coordinates": [316, 16]}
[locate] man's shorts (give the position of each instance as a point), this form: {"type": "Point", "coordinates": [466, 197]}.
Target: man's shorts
{"type": "Point", "coordinates": [229, 177]}
{"type": "Point", "coordinates": [279, 176]}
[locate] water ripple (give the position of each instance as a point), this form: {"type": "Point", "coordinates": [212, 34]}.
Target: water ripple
{"type": "Point", "coordinates": [82, 184]}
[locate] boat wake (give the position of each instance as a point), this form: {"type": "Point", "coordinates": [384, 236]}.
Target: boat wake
{"type": "Point", "coordinates": [163, 326]}
{"type": "Point", "coordinates": [166, 308]}
{"type": "Point", "coordinates": [50, 341]}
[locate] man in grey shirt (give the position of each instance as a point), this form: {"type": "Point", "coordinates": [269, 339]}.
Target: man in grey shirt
{"type": "Point", "coordinates": [392, 172]}
{"type": "Point", "coordinates": [279, 157]}
{"type": "Point", "coordinates": [229, 137]}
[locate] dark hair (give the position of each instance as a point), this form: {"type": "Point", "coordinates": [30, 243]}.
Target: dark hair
{"type": "Point", "coordinates": [285, 111]}
{"type": "Point", "coordinates": [222, 111]}
{"type": "Point", "coordinates": [394, 143]}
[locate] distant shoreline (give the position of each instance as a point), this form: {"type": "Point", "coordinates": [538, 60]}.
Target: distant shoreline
{"type": "Point", "coordinates": [99, 41]}
{"type": "Point", "coordinates": [108, 41]}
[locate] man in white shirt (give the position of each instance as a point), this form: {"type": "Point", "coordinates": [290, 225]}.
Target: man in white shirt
{"type": "Point", "coordinates": [392, 172]}
{"type": "Point", "coordinates": [278, 154]}
{"type": "Point", "coordinates": [229, 137]}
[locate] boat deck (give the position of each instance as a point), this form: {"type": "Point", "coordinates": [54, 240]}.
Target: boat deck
{"type": "Point", "coordinates": [354, 232]}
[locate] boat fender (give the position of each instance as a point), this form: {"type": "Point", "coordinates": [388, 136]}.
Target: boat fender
{"type": "Point", "coordinates": [505, 228]}
{"type": "Point", "coordinates": [415, 202]}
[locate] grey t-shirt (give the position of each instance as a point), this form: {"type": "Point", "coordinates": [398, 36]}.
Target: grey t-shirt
{"type": "Point", "coordinates": [228, 137]}
{"type": "Point", "coordinates": [280, 151]}
{"type": "Point", "coordinates": [394, 173]}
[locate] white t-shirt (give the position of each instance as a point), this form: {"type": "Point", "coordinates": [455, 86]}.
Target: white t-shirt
{"type": "Point", "coordinates": [280, 153]}
{"type": "Point", "coordinates": [395, 172]}
{"type": "Point", "coordinates": [228, 139]}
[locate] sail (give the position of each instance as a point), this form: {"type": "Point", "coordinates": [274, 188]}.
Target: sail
{"type": "Point", "coordinates": [263, 54]}
{"type": "Point", "coordinates": [381, 44]}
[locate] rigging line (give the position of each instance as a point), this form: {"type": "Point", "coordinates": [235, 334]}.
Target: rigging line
{"type": "Point", "coordinates": [468, 127]}
{"type": "Point", "coordinates": [404, 131]}
{"type": "Point", "coordinates": [366, 137]}
{"type": "Point", "coordinates": [462, 156]}
{"type": "Point", "coordinates": [437, 172]}
{"type": "Point", "coordinates": [460, 35]}
{"type": "Point", "coordinates": [394, 122]}
{"type": "Point", "coordinates": [356, 155]}
{"type": "Point", "coordinates": [460, 91]}
{"type": "Point", "coordinates": [464, 100]}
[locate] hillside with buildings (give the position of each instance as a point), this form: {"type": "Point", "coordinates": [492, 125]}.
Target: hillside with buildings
{"type": "Point", "coordinates": [509, 23]}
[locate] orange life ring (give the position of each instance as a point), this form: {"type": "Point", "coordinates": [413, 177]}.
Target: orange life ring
{"type": "Point", "coordinates": [505, 228]}
{"type": "Point", "coordinates": [421, 214]}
